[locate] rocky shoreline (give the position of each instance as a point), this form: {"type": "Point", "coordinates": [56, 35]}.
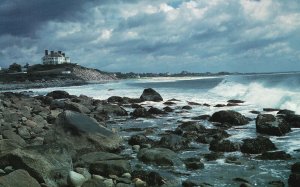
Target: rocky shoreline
{"type": "Point", "coordinates": [65, 140]}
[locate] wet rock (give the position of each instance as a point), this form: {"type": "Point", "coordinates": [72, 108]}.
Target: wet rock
{"type": "Point", "coordinates": [292, 119]}
{"type": "Point", "coordinates": [173, 142]}
{"type": "Point", "coordinates": [233, 160]}
{"type": "Point", "coordinates": [235, 101]}
{"type": "Point", "coordinates": [285, 112]}
{"type": "Point", "coordinates": [294, 178]}
{"type": "Point", "coordinates": [87, 159]}
{"type": "Point", "coordinates": [187, 107]}
{"type": "Point", "coordinates": [110, 109]}
{"type": "Point", "coordinates": [76, 107]}
{"type": "Point", "coordinates": [169, 103]}
{"type": "Point", "coordinates": [82, 133]}
{"type": "Point", "coordinates": [271, 109]}
{"type": "Point", "coordinates": [257, 145]}
{"type": "Point", "coordinates": [223, 146]}
{"type": "Point", "coordinates": [254, 112]}
{"type": "Point", "coordinates": [271, 125]}
{"type": "Point", "coordinates": [230, 117]}
{"type": "Point", "coordinates": [141, 113]}
{"type": "Point", "coordinates": [150, 177]}
{"type": "Point", "coordinates": [57, 104]}
{"type": "Point", "coordinates": [110, 167]}
{"type": "Point", "coordinates": [274, 155]}
{"type": "Point", "coordinates": [159, 156]}
{"type": "Point", "coordinates": [220, 105]}
{"type": "Point", "coordinates": [150, 94]}
{"type": "Point", "coordinates": [191, 182]}
{"type": "Point", "coordinates": [134, 105]}
{"type": "Point", "coordinates": [59, 94]}
{"type": "Point", "coordinates": [115, 99]}
{"type": "Point", "coordinates": [192, 126]}
{"type": "Point", "coordinates": [168, 109]}
{"type": "Point", "coordinates": [212, 135]}
{"type": "Point", "coordinates": [193, 163]}
{"type": "Point", "coordinates": [48, 164]}
{"type": "Point", "coordinates": [276, 184]}
{"type": "Point", "coordinates": [18, 178]}
{"type": "Point", "coordinates": [193, 103]}
{"type": "Point", "coordinates": [201, 117]}
{"type": "Point", "coordinates": [154, 110]}
{"type": "Point", "coordinates": [85, 172]}
{"type": "Point", "coordinates": [139, 183]}
{"type": "Point", "coordinates": [139, 139]}
{"type": "Point", "coordinates": [93, 183]}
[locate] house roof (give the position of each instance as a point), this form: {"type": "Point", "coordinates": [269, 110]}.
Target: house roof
{"type": "Point", "coordinates": [55, 55]}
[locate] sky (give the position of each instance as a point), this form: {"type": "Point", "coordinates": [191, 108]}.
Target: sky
{"type": "Point", "coordinates": [155, 35]}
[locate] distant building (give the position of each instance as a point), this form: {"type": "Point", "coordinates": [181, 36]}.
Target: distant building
{"type": "Point", "coordinates": [55, 58]}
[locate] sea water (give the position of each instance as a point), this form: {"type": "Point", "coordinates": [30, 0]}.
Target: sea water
{"type": "Point", "coordinates": [277, 90]}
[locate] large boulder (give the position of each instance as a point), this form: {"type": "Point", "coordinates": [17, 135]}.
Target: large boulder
{"type": "Point", "coordinates": [139, 139]}
{"type": "Point", "coordinates": [159, 156]}
{"type": "Point", "coordinates": [8, 145]}
{"type": "Point", "coordinates": [271, 125]}
{"type": "Point", "coordinates": [229, 117]}
{"type": "Point", "coordinates": [59, 94]}
{"type": "Point", "coordinates": [192, 126]}
{"type": "Point", "coordinates": [18, 178]}
{"type": "Point", "coordinates": [173, 142]}
{"type": "Point", "coordinates": [82, 133]}
{"type": "Point", "coordinates": [48, 164]}
{"type": "Point", "coordinates": [257, 145]}
{"type": "Point", "coordinates": [150, 94]}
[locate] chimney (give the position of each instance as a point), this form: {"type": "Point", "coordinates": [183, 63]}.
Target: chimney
{"type": "Point", "coordinates": [63, 54]}
{"type": "Point", "coordinates": [59, 52]}
{"type": "Point", "coordinates": [46, 52]}
{"type": "Point", "coordinates": [52, 52]}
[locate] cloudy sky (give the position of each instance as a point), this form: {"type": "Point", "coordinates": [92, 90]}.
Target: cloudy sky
{"type": "Point", "coordinates": [155, 35]}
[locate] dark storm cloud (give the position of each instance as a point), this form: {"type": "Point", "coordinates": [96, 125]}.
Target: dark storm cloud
{"type": "Point", "coordinates": [19, 17]}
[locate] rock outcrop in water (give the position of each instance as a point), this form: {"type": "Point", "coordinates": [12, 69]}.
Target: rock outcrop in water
{"type": "Point", "coordinates": [66, 140]}
{"type": "Point", "coordinates": [150, 94]}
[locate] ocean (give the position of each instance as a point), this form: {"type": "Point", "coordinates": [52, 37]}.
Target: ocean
{"type": "Point", "coordinates": [277, 90]}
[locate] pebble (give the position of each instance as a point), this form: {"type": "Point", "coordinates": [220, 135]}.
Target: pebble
{"type": "Point", "coordinates": [76, 179]}
{"type": "Point", "coordinates": [139, 183]}
{"type": "Point", "coordinates": [127, 175]}
{"type": "Point", "coordinates": [84, 172]}
{"type": "Point", "coordinates": [136, 148]}
{"type": "Point", "coordinates": [8, 169]}
{"type": "Point", "coordinates": [2, 171]}
{"type": "Point", "coordinates": [108, 182]}
{"type": "Point", "coordinates": [98, 177]}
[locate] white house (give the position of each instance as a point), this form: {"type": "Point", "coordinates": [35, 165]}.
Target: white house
{"type": "Point", "coordinates": [55, 58]}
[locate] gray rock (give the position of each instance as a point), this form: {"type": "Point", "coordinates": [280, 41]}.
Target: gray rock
{"type": "Point", "coordinates": [94, 183]}
{"type": "Point", "coordinates": [271, 125]}
{"type": "Point", "coordinates": [141, 113]}
{"type": "Point", "coordinates": [111, 110]}
{"type": "Point", "coordinates": [159, 156]}
{"type": "Point", "coordinates": [173, 142]}
{"type": "Point", "coordinates": [9, 134]}
{"type": "Point", "coordinates": [223, 146]}
{"type": "Point", "coordinates": [87, 159]}
{"type": "Point", "coordinates": [59, 94]}
{"type": "Point", "coordinates": [9, 144]}
{"type": "Point", "coordinates": [76, 107]}
{"type": "Point", "coordinates": [150, 94]}
{"type": "Point", "coordinates": [80, 132]}
{"type": "Point", "coordinates": [18, 178]}
{"type": "Point", "coordinates": [24, 132]}
{"type": "Point", "coordinates": [76, 179]}
{"type": "Point", "coordinates": [110, 167]}
{"type": "Point", "coordinates": [48, 164]}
